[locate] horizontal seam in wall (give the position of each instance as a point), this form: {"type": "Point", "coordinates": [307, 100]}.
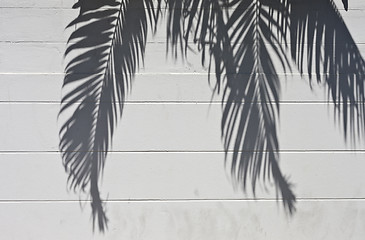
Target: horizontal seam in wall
{"type": "Point", "coordinates": [194, 151]}
{"type": "Point", "coordinates": [216, 102]}
{"type": "Point", "coordinates": [183, 200]}
{"type": "Point", "coordinates": [292, 74]}
{"type": "Point", "coordinates": [162, 8]}
{"type": "Point", "coordinates": [9, 41]}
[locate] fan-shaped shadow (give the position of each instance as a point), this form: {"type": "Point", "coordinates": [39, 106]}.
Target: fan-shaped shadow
{"type": "Point", "coordinates": [243, 43]}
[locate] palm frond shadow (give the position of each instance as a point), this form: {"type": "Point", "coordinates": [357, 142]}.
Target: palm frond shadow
{"type": "Point", "coordinates": [239, 41]}
{"type": "Point", "coordinates": [243, 42]}
{"type": "Point", "coordinates": [107, 46]}
{"type": "Point", "coordinates": [330, 54]}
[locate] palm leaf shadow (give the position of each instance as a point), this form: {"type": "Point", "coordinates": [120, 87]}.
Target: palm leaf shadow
{"type": "Point", "coordinates": [238, 37]}
{"type": "Point", "coordinates": [322, 45]}
{"type": "Point", "coordinates": [240, 41]}
{"type": "Point", "coordinates": [108, 44]}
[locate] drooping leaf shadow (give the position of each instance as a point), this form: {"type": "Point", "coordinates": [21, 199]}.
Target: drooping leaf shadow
{"type": "Point", "coordinates": [321, 44]}
{"type": "Point", "coordinates": [105, 50]}
{"type": "Point", "coordinates": [241, 41]}
{"type": "Point", "coordinates": [236, 36]}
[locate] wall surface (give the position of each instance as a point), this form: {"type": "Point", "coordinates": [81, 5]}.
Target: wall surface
{"type": "Point", "coordinates": [165, 175]}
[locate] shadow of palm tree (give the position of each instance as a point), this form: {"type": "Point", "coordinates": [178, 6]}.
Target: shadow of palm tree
{"type": "Point", "coordinates": [107, 46]}
{"type": "Point", "coordinates": [332, 55]}
{"type": "Point", "coordinates": [239, 40]}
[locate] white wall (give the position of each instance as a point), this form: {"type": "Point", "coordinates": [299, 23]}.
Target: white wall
{"type": "Point", "coordinates": [165, 178]}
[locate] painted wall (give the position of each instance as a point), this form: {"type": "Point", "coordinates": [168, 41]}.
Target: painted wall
{"type": "Point", "coordinates": [165, 176]}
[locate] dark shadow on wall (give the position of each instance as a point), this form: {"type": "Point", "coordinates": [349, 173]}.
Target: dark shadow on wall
{"type": "Point", "coordinates": [105, 50]}
{"type": "Point", "coordinates": [239, 41]}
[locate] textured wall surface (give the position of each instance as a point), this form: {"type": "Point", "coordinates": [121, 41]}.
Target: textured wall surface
{"type": "Point", "coordinates": [165, 176]}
